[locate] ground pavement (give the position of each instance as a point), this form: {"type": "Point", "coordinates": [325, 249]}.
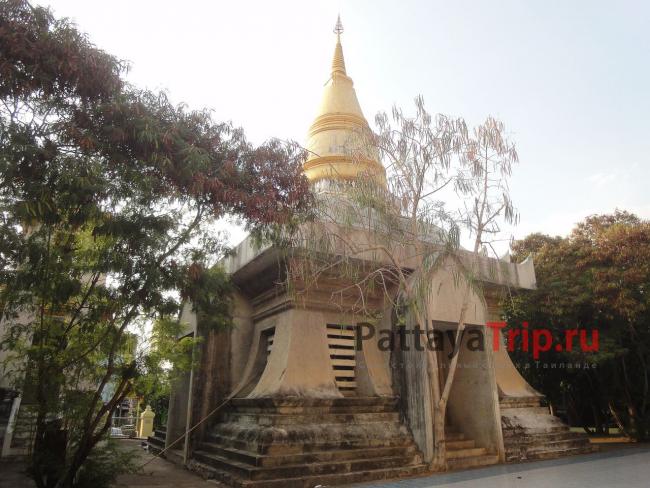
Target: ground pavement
{"type": "Point", "coordinates": [623, 467]}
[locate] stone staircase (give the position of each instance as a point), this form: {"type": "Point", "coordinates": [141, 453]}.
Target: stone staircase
{"type": "Point", "coordinates": [530, 432]}
{"type": "Point", "coordinates": [24, 430]}
{"type": "Point", "coordinates": [302, 443]}
{"type": "Point", "coordinates": [156, 442]}
{"type": "Point", "coordinates": [463, 453]}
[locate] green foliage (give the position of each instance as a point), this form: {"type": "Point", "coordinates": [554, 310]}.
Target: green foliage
{"type": "Point", "coordinates": [171, 352]}
{"type": "Point", "coordinates": [597, 278]}
{"type": "Point", "coordinates": [109, 197]}
{"type": "Point", "coordinates": [104, 464]}
{"type": "Point", "coordinates": [209, 291]}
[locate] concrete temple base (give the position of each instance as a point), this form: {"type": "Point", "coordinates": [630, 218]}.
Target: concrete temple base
{"type": "Point", "coordinates": [298, 442]}
{"type": "Point", "coordinates": [530, 432]}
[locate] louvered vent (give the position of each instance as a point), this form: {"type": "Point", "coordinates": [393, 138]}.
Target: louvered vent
{"type": "Point", "coordinates": [270, 335]}
{"type": "Point", "coordinates": [340, 339]}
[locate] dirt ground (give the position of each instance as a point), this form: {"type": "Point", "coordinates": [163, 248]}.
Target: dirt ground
{"type": "Point", "coordinates": [157, 474]}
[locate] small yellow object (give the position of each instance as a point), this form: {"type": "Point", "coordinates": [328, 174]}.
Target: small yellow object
{"type": "Point", "coordinates": [145, 423]}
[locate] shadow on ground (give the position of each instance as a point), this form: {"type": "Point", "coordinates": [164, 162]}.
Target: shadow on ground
{"type": "Point", "coordinates": [622, 464]}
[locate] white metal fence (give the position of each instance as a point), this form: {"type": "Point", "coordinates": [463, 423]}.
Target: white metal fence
{"type": "Point", "coordinates": [124, 427]}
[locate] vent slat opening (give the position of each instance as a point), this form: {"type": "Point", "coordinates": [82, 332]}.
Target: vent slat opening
{"type": "Point", "coordinates": [341, 343]}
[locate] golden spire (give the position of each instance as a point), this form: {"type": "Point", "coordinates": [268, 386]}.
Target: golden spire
{"type": "Point", "coordinates": [338, 28]}
{"type": "Point", "coordinates": [338, 63]}
{"type": "Point", "coordinates": [339, 145]}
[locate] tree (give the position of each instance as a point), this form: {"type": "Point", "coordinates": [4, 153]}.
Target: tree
{"type": "Point", "coordinates": [405, 229]}
{"type": "Point", "coordinates": [594, 280]}
{"type": "Point", "coordinates": [167, 356]}
{"type": "Point", "coordinates": [486, 165]}
{"type": "Point", "coordinates": [108, 199]}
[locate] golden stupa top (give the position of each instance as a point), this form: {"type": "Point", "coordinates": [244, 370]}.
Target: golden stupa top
{"type": "Point", "coordinates": [339, 142]}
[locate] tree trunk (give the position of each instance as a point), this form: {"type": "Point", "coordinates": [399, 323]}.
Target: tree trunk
{"type": "Point", "coordinates": [598, 425]}
{"type": "Point", "coordinates": [439, 459]}
{"type": "Point", "coordinates": [617, 419]}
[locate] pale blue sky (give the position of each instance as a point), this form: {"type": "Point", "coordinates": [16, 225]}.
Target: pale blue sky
{"type": "Point", "coordinates": [570, 79]}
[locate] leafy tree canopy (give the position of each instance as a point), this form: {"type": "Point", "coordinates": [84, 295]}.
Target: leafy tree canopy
{"type": "Point", "coordinates": [595, 279]}
{"type": "Point", "coordinates": [109, 197]}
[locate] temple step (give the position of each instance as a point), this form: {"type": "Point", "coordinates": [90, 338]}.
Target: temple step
{"type": "Point", "coordinates": [246, 471]}
{"type": "Point", "coordinates": [511, 411]}
{"type": "Point", "coordinates": [305, 442]}
{"type": "Point", "coordinates": [531, 432]}
{"type": "Point", "coordinates": [515, 402]}
{"type": "Point", "coordinates": [472, 462]}
{"type": "Point", "coordinates": [314, 480]}
{"type": "Point", "coordinates": [407, 450]}
{"type": "Point", "coordinates": [535, 431]}
{"type": "Point", "coordinates": [576, 442]}
{"type": "Point", "coordinates": [466, 453]}
{"type": "Point", "coordinates": [454, 436]}
{"type": "Point", "coordinates": [265, 434]}
{"type": "Point", "coordinates": [547, 446]}
{"type": "Point", "coordinates": [547, 453]}
{"type": "Point", "coordinates": [463, 453]}
{"type": "Point", "coordinates": [298, 447]}
{"type": "Point", "coordinates": [156, 442]}
{"type": "Point", "coordinates": [279, 419]}
{"type": "Point", "coordinates": [313, 406]}
{"type": "Point", "coordinates": [464, 444]}
{"type": "Point", "coordinates": [306, 436]}
{"type": "Point", "coordinates": [558, 434]}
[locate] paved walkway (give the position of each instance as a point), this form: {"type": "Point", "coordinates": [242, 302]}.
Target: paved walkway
{"type": "Point", "coordinates": [627, 467]}
{"type": "Point", "coordinates": [624, 467]}
{"type": "Point", "coordinates": [160, 473]}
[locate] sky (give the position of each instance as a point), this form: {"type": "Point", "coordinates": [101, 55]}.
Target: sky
{"type": "Point", "coordinates": [570, 79]}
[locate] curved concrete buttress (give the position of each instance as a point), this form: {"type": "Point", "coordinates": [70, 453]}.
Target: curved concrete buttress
{"type": "Point", "coordinates": [241, 339]}
{"type": "Point", "coordinates": [252, 363]}
{"type": "Point", "coordinates": [299, 362]}
{"type": "Point", "coordinates": [509, 380]}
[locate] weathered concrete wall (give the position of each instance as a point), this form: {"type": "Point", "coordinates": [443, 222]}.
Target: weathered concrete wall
{"type": "Point", "coordinates": [241, 338]}
{"type": "Point", "coordinates": [181, 397]}
{"type": "Point", "coordinates": [212, 378]}
{"type": "Point", "coordinates": [473, 402]}
{"type": "Point", "coordinates": [178, 410]}
{"type": "Point", "coordinates": [473, 405]}
{"type": "Point", "coordinates": [222, 356]}
{"type": "Point", "coordinates": [415, 393]}
{"type": "Point", "coordinates": [248, 260]}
